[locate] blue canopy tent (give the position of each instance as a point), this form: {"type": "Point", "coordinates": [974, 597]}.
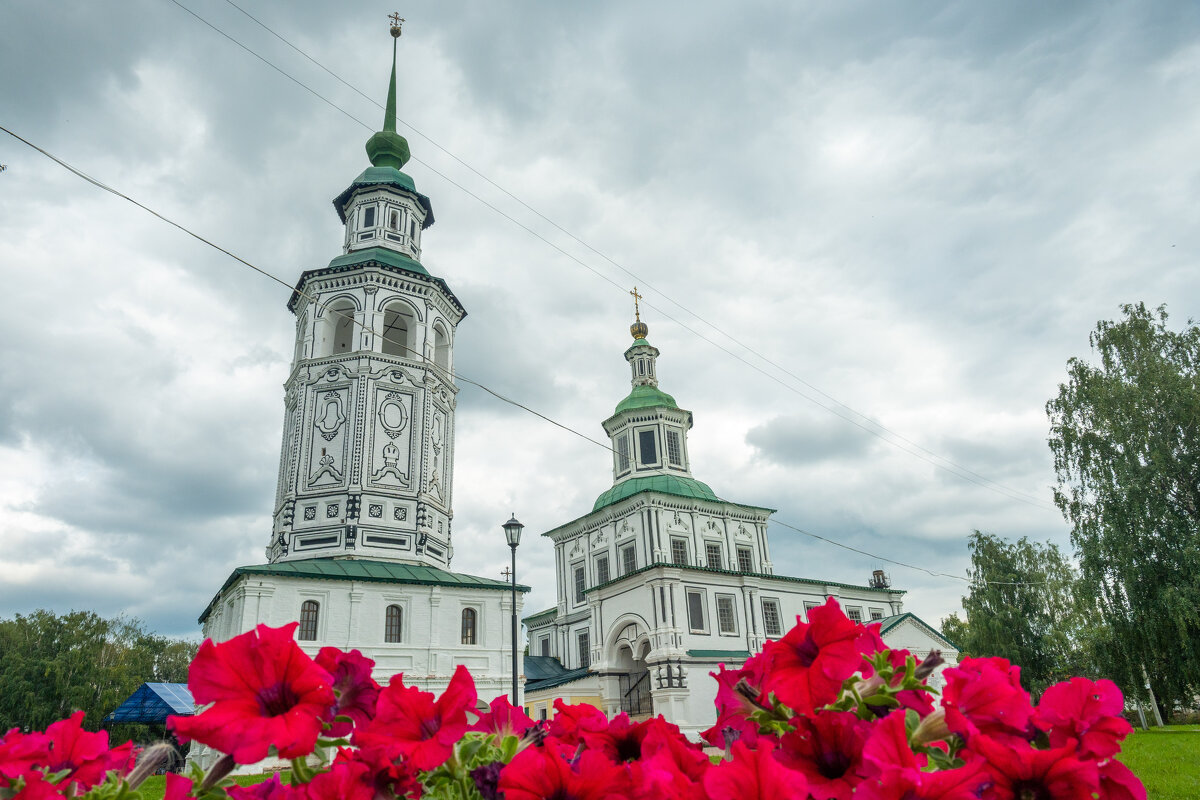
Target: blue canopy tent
{"type": "Point", "coordinates": [154, 702]}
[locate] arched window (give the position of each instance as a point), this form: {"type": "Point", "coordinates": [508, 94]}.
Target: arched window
{"type": "Point", "coordinates": [468, 626]}
{"type": "Point", "coordinates": [393, 624]}
{"type": "Point", "coordinates": [309, 610]}
{"type": "Point", "coordinates": [399, 324]}
{"type": "Point", "coordinates": [394, 219]}
{"type": "Point", "coordinates": [337, 328]}
{"type": "Point", "coordinates": [441, 347]}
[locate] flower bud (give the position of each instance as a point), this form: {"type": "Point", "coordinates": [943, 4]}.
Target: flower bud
{"type": "Point", "coordinates": [932, 728]}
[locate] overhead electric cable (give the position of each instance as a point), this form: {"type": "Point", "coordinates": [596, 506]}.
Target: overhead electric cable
{"type": "Point", "coordinates": [425, 361]}
{"type": "Point", "coordinates": [871, 427]}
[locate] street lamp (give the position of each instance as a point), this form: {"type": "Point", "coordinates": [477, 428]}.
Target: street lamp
{"type": "Point", "coordinates": [512, 532]}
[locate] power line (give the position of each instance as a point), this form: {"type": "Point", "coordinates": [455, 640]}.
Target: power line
{"type": "Point", "coordinates": [871, 427]}
{"type": "Point", "coordinates": [446, 374]}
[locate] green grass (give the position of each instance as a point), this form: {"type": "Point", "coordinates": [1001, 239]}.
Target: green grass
{"type": "Point", "coordinates": [1167, 760]}
{"type": "Point", "coordinates": [154, 786]}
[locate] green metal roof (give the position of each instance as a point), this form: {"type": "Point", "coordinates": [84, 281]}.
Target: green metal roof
{"type": "Point", "coordinates": [788, 578]}
{"type": "Point", "coordinates": [645, 397]}
{"type": "Point", "coordinates": [354, 569]}
{"type": "Point", "coordinates": [549, 612]}
{"type": "Point", "coordinates": [383, 176]}
{"type": "Point", "coordinates": [678, 485]}
{"type": "Point", "coordinates": [732, 655]}
{"type": "Point", "coordinates": [383, 255]}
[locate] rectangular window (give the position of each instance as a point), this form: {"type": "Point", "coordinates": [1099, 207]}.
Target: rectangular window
{"type": "Point", "coordinates": [628, 559]}
{"type": "Point", "coordinates": [808, 607]}
{"type": "Point", "coordinates": [368, 217]}
{"type": "Point", "coordinates": [602, 569]}
{"type": "Point", "coordinates": [679, 552]}
{"type": "Point", "coordinates": [580, 584]}
{"type": "Point", "coordinates": [647, 448]}
{"type": "Point", "coordinates": [545, 646]}
{"type": "Point", "coordinates": [745, 559]}
{"type": "Point", "coordinates": [674, 451]}
{"type": "Point", "coordinates": [585, 650]}
{"type": "Point", "coordinates": [876, 614]}
{"type": "Point", "coordinates": [855, 614]}
{"type": "Point", "coordinates": [623, 454]}
{"type": "Point", "coordinates": [712, 555]}
{"type": "Point", "coordinates": [726, 620]}
{"type": "Point", "coordinates": [772, 621]}
{"type": "Point", "coordinates": [695, 606]}
{"type": "Point", "coordinates": [542, 713]}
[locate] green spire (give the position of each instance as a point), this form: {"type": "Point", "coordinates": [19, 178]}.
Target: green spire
{"type": "Point", "coordinates": [388, 148]}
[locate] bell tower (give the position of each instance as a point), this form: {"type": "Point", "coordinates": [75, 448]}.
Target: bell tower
{"type": "Point", "coordinates": [366, 468]}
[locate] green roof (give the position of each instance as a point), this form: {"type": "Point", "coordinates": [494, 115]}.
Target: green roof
{"type": "Point", "coordinates": [383, 255]}
{"type": "Point", "coordinates": [887, 623]}
{"type": "Point", "coordinates": [732, 655]}
{"type": "Point", "coordinates": [344, 569]}
{"type": "Point", "coordinates": [678, 485]}
{"type": "Point", "coordinates": [549, 612]}
{"type": "Point", "coordinates": [714, 570]}
{"type": "Point", "coordinates": [383, 176]}
{"type": "Point", "coordinates": [645, 397]}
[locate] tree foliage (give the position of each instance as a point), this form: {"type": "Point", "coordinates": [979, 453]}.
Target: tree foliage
{"type": "Point", "coordinates": [1125, 433]}
{"type": "Point", "coordinates": [1022, 606]}
{"type": "Point", "coordinates": [53, 665]}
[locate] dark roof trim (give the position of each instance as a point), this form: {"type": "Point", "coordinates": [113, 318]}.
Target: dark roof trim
{"type": "Point", "coordinates": [558, 680]}
{"type": "Point", "coordinates": [887, 623]}
{"type": "Point", "coordinates": [549, 612]}
{"type": "Point", "coordinates": [310, 274]}
{"type": "Point", "coordinates": [732, 655]}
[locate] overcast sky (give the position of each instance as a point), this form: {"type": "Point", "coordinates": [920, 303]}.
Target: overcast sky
{"type": "Point", "coordinates": [920, 209]}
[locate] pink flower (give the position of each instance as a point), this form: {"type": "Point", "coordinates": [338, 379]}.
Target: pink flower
{"type": "Point", "coordinates": [570, 721]}
{"type": "Point", "coordinates": [37, 788]}
{"type": "Point", "coordinates": [1117, 782]}
{"type": "Point", "coordinates": [828, 749]}
{"type": "Point", "coordinates": [412, 723]}
{"type": "Point", "coordinates": [544, 773]}
{"type": "Point", "coordinates": [180, 788]}
{"type": "Point", "coordinates": [264, 692]}
{"type": "Point", "coordinates": [807, 666]}
{"type": "Point", "coordinates": [19, 752]}
{"type": "Point", "coordinates": [887, 748]}
{"type": "Point", "coordinates": [345, 780]}
{"type": "Point", "coordinates": [734, 706]}
{"type": "Point", "coordinates": [965, 783]}
{"type": "Point", "coordinates": [85, 755]}
{"type": "Point", "coordinates": [272, 789]}
{"type": "Point", "coordinates": [754, 775]}
{"type": "Point", "coordinates": [1084, 711]}
{"type": "Point", "coordinates": [503, 719]}
{"type": "Point", "coordinates": [1019, 772]}
{"type": "Point", "coordinates": [356, 691]}
{"type": "Point", "coordinates": [984, 695]}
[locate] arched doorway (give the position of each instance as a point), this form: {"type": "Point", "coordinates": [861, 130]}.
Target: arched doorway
{"type": "Point", "coordinates": [631, 647]}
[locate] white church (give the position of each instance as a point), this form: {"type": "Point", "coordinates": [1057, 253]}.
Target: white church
{"type": "Point", "coordinates": [361, 546]}
{"type": "Point", "coordinates": [659, 583]}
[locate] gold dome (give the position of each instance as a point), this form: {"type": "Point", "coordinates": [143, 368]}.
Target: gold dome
{"type": "Point", "coordinates": [639, 329]}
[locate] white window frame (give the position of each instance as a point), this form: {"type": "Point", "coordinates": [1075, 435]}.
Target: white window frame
{"type": "Point", "coordinates": [708, 543]}
{"type": "Point", "coordinates": [621, 551]}
{"type": "Point", "coordinates": [686, 554]}
{"type": "Point", "coordinates": [774, 603]}
{"type": "Point", "coordinates": [603, 557]}
{"type": "Point", "coordinates": [637, 441]}
{"type": "Point", "coordinates": [585, 653]}
{"type": "Point", "coordinates": [854, 613]}
{"type": "Point", "coordinates": [732, 600]}
{"type": "Point", "coordinates": [687, 599]}
{"type": "Point", "coordinates": [578, 587]}
{"type": "Point", "coordinates": [738, 550]}
{"type": "Point", "coordinates": [876, 614]}
{"type": "Point", "coordinates": [809, 606]}
{"type": "Point", "coordinates": [674, 459]}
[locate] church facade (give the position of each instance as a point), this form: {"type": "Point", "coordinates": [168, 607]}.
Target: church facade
{"type": "Point", "coordinates": [663, 581]}
{"type": "Point", "coordinates": [361, 546]}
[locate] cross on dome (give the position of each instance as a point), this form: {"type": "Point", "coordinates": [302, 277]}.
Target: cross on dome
{"type": "Point", "coordinates": [638, 329]}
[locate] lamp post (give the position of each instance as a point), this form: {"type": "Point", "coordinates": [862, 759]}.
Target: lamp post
{"type": "Point", "coordinates": [512, 532]}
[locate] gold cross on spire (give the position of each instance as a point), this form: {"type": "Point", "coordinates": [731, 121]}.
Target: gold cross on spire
{"type": "Point", "coordinates": [397, 21]}
{"type": "Point", "coordinates": [636, 297]}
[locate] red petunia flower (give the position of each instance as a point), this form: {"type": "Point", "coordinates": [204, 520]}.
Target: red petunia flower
{"type": "Point", "coordinates": [807, 666]}
{"type": "Point", "coordinates": [544, 773]}
{"type": "Point", "coordinates": [1018, 771]}
{"type": "Point", "coordinates": [734, 706]}
{"type": "Point", "coordinates": [887, 748]}
{"type": "Point", "coordinates": [965, 783]}
{"type": "Point", "coordinates": [828, 749]}
{"type": "Point", "coordinates": [624, 740]}
{"type": "Point", "coordinates": [85, 755]}
{"type": "Point", "coordinates": [345, 780]}
{"type": "Point", "coordinates": [984, 695]}
{"type": "Point", "coordinates": [19, 752]}
{"type": "Point", "coordinates": [412, 723]}
{"type": "Point", "coordinates": [754, 775]}
{"type": "Point", "coordinates": [1087, 712]}
{"type": "Point", "coordinates": [570, 721]}
{"type": "Point", "coordinates": [272, 789]}
{"type": "Point", "coordinates": [265, 692]}
{"type": "Point", "coordinates": [357, 692]}
{"type": "Point", "coordinates": [180, 788]}
{"type": "Point", "coordinates": [37, 787]}
{"type": "Point", "coordinates": [1117, 782]}
{"type": "Point", "coordinates": [503, 719]}
{"type": "Point", "coordinates": [390, 777]}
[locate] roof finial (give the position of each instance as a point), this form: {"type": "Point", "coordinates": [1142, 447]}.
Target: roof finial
{"type": "Point", "coordinates": [638, 329]}
{"type": "Point", "coordinates": [388, 148]}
